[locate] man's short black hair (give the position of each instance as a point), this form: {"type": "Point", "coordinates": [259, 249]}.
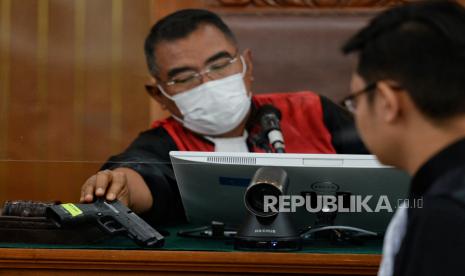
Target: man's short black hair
{"type": "Point", "coordinates": [179, 25]}
{"type": "Point", "coordinates": [422, 47]}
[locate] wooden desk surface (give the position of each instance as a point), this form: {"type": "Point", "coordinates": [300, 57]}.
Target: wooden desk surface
{"type": "Point", "coordinates": [137, 262]}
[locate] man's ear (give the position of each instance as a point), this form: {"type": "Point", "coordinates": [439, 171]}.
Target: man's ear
{"type": "Point", "coordinates": [247, 55]}
{"type": "Point", "coordinates": [389, 101]}
{"type": "Point", "coordinates": [152, 89]}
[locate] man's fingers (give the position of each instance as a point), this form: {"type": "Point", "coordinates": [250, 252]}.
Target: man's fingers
{"type": "Point", "coordinates": [103, 178]}
{"type": "Point", "coordinates": [118, 185]}
{"type": "Point", "coordinates": [87, 190]}
{"type": "Point", "coordinates": [99, 183]}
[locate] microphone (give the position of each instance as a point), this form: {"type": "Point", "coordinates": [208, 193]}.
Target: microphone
{"type": "Point", "coordinates": [269, 117]}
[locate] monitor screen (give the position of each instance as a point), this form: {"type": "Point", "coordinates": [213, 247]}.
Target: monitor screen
{"type": "Point", "coordinates": [212, 186]}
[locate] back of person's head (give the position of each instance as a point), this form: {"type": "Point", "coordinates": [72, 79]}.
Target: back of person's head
{"type": "Point", "coordinates": [420, 46]}
{"type": "Point", "coordinates": [179, 25]}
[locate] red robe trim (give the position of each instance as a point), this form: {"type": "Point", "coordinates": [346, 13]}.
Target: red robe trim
{"type": "Point", "coordinates": [302, 125]}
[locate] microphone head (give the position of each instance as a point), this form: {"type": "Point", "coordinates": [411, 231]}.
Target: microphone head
{"type": "Point", "coordinates": [268, 109]}
{"type": "Point", "coordinates": [269, 117]}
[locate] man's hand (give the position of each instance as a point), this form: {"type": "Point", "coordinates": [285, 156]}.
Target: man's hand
{"type": "Point", "coordinates": [111, 184]}
{"type": "Point", "coordinates": [123, 184]}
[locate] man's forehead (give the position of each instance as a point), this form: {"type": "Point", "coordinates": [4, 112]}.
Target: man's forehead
{"type": "Point", "coordinates": [193, 50]}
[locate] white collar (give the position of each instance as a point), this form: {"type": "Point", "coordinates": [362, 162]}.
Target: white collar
{"type": "Point", "coordinates": [230, 144]}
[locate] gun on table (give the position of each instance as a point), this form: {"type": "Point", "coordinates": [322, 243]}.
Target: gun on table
{"type": "Point", "coordinates": [112, 217]}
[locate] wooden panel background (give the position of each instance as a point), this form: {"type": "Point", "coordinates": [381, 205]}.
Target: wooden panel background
{"type": "Point", "coordinates": [71, 83]}
{"type": "Point", "coordinates": [71, 91]}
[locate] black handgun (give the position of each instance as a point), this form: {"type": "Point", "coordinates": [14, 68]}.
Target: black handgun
{"type": "Point", "coordinates": [112, 217]}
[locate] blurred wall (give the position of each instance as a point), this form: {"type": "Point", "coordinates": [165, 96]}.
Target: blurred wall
{"type": "Point", "coordinates": [71, 91]}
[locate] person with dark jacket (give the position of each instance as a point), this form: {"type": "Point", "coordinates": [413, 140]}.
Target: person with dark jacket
{"type": "Point", "coordinates": [409, 103]}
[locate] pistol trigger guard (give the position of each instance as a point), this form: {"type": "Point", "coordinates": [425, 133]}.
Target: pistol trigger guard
{"type": "Point", "coordinates": [110, 225]}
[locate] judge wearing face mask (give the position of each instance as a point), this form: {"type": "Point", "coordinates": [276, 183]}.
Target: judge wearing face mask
{"type": "Point", "coordinates": [203, 79]}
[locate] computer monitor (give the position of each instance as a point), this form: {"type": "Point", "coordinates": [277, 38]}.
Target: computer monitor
{"type": "Point", "coordinates": [212, 186]}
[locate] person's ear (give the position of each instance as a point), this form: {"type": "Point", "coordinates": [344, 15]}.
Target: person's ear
{"type": "Point", "coordinates": [389, 101]}
{"type": "Point", "coordinates": [248, 78]}
{"type": "Point", "coordinates": [152, 89]}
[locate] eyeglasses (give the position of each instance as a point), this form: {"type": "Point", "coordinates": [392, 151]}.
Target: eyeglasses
{"type": "Point", "coordinates": [219, 69]}
{"type": "Point", "coordinates": [350, 102]}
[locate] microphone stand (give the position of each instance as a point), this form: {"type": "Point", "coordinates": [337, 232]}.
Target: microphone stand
{"type": "Point", "coordinates": [260, 141]}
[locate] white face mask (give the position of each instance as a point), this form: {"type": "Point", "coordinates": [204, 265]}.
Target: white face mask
{"type": "Point", "coordinates": [214, 107]}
